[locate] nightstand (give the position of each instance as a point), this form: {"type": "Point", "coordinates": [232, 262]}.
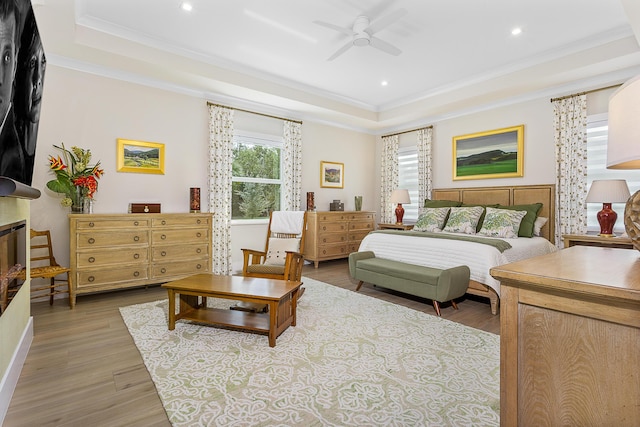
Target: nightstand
{"type": "Point", "coordinates": [395, 227]}
{"type": "Point", "coordinates": [595, 240]}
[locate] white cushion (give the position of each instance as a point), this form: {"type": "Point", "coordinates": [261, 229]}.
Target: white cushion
{"type": "Point", "coordinates": [537, 226]}
{"type": "Point", "coordinates": [277, 253]}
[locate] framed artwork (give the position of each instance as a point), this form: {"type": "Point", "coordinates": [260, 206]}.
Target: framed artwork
{"type": "Point", "coordinates": [331, 174]}
{"type": "Point", "coordinates": [140, 156]}
{"type": "Point", "coordinates": [492, 154]}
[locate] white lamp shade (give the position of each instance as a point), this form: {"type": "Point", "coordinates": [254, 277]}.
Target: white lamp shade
{"type": "Point", "coordinates": [400, 196]}
{"type": "Point", "coordinates": [623, 147]}
{"type": "Point", "coordinates": [608, 191]}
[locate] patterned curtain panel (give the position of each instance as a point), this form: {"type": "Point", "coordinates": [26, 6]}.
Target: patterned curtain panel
{"type": "Point", "coordinates": [389, 177]}
{"type": "Point", "coordinates": [425, 171]}
{"type": "Point", "coordinates": [570, 124]}
{"type": "Point", "coordinates": [292, 164]}
{"type": "Point", "coordinates": [220, 189]}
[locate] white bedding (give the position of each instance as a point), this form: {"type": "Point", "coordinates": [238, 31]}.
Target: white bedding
{"type": "Point", "coordinates": [446, 253]}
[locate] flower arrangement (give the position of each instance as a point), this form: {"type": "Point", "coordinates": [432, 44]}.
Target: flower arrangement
{"type": "Point", "coordinates": [75, 178]}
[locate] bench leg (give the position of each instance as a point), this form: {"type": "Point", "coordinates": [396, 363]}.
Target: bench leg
{"type": "Point", "coordinates": [359, 285]}
{"type": "Point", "coordinates": [453, 303]}
{"type": "Point", "coordinates": [436, 305]}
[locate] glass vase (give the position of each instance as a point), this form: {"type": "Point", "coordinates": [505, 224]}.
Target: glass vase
{"type": "Point", "coordinates": [77, 200]}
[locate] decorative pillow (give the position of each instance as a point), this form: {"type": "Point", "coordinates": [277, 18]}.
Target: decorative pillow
{"type": "Point", "coordinates": [479, 225]}
{"type": "Point", "coordinates": [502, 223]}
{"type": "Point", "coordinates": [432, 219]}
{"type": "Point", "coordinates": [526, 226]}
{"type": "Point", "coordinates": [538, 224]}
{"type": "Point", "coordinates": [278, 247]}
{"type": "Point", "coordinates": [441, 203]}
{"type": "Point", "coordinates": [463, 219]}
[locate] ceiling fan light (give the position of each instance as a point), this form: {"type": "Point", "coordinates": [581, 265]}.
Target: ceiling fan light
{"type": "Point", "coordinates": [361, 41]}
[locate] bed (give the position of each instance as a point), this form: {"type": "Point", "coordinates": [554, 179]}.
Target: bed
{"type": "Point", "coordinates": [413, 248]}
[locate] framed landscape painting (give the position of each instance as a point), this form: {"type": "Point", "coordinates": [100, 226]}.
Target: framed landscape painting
{"type": "Point", "coordinates": [331, 174]}
{"type": "Point", "coordinates": [140, 156]}
{"type": "Point", "coordinates": [492, 154]}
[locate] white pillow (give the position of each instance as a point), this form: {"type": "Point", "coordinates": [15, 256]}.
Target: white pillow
{"type": "Point", "coordinates": [464, 219]}
{"type": "Point", "coordinates": [538, 224]}
{"type": "Point", "coordinates": [502, 223]}
{"type": "Point", "coordinates": [432, 219]}
{"type": "Point", "coordinates": [278, 247]}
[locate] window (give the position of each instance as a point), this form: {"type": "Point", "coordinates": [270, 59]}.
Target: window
{"type": "Point", "coordinates": [256, 172]}
{"type": "Point", "coordinates": [408, 178]}
{"type": "Point", "coordinates": [597, 132]}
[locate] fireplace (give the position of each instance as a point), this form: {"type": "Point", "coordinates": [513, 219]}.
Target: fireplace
{"type": "Point", "coordinates": [13, 258]}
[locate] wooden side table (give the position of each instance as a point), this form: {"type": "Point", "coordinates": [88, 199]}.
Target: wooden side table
{"type": "Point", "coordinates": [595, 240]}
{"type": "Point", "coordinates": [395, 227]}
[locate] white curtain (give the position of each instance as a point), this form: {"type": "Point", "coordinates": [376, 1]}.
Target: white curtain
{"type": "Point", "coordinates": [570, 125]}
{"type": "Point", "coordinates": [292, 165]}
{"type": "Point", "coordinates": [425, 170]}
{"type": "Point", "coordinates": [220, 189]}
{"type": "Point", "coordinates": [389, 177]}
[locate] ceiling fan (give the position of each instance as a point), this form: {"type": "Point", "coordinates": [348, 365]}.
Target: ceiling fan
{"type": "Point", "coordinates": [362, 33]}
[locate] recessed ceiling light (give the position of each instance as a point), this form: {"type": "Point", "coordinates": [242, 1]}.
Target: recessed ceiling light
{"type": "Point", "coordinates": [384, 83]}
{"type": "Point", "coordinates": [186, 6]}
{"type": "Point", "coordinates": [516, 31]}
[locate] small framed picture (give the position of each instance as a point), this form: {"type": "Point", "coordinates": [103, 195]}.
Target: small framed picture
{"type": "Point", "coordinates": [331, 174]}
{"type": "Point", "coordinates": [491, 154]}
{"type": "Point", "coordinates": [140, 156]}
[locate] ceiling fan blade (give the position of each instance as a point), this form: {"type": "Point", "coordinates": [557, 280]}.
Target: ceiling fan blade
{"type": "Point", "coordinates": [375, 11]}
{"type": "Point", "coordinates": [340, 51]}
{"type": "Point", "coordinates": [384, 46]}
{"type": "Point", "coordinates": [385, 21]}
{"type": "Point", "coordinates": [345, 31]}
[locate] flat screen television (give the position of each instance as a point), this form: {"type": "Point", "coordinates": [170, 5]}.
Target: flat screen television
{"type": "Point", "coordinates": [21, 82]}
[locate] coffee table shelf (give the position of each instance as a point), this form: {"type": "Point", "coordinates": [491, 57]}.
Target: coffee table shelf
{"type": "Point", "coordinates": [237, 319]}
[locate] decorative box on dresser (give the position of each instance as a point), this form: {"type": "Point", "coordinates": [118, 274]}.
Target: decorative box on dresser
{"type": "Point", "coordinates": [334, 234]}
{"type": "Point", "coordinates": [115, 251]}
{"type": "Point", "coordinates": [570, 338]}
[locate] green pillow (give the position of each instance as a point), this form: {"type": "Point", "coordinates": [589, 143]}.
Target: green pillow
{"type": "Point", "coordinates": [441, 203]}
{"type": "Point", "coordinates": [526, 226]}
{"type": "Point", "coordinates": [484, 212]}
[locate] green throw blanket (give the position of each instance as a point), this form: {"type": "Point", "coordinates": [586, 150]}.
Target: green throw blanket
{"type": "Point", "coordinates": [500, 245]}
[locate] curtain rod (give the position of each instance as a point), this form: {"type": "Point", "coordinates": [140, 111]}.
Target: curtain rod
{"type": "Point", "coordinates": [408, 131]}
{"type": "Point", "coordinates": [253, 112]}
{"type": "Point", "coordinates": [585, 93]}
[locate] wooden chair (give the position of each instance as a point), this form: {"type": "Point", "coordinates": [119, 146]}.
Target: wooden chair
{"type": "Point", "coordinates": [282, 257]}
{"type": "Point", "coordinates": [44, 266]}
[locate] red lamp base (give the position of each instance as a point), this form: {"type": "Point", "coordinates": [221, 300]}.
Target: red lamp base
{"type": "Point", "coordinates": [607, 218]}
{"type": "Point", "coordinates": [399, 213]}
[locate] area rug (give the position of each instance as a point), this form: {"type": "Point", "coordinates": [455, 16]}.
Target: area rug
{"type": "Point", "coordinates": [352, 360]}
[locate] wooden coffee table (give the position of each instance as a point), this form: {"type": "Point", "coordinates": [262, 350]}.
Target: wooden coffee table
{"type": "Point", "coordinates": [280, 295]}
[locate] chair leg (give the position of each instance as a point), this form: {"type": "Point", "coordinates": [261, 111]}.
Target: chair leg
{"type": "Point", "coordinates": [436, 305]}
{"type": "Point", "coordinates": [51, 289]}
{"type": "Point", "coordinates": [359, 285]}
{"type": "Point", "coordinates": [453, 303]}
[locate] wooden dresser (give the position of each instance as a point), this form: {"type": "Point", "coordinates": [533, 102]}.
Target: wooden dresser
{"type": "Point", "coordinates": [116, 251]}
{"type": "Point", "coordinates": [570, 338]}
{"type": "Point", "coordinates": [334, 235]}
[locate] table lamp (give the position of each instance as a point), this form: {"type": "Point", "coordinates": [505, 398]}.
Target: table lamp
{"type": "Point", "coordinates": [607, 191]}
{"type": "Point", "coordinates": [400, 196]}
{"type": "Point", "coordinates": [623, 147]}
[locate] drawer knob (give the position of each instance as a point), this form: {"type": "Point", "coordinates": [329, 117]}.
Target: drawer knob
{"type": "Point", "coordinates": [198, 251]}
{"type": "Point", "coordinates": [136, 273]}
{"type": "Point", "coordinates": [198, 234]}
{"type": "Point", "coordinates": [163, 237]}
{"type": "Point", "coordinates": [163, 270]}
{"type": "Point", "coordinates": [324, 240]}
{"type": "Point", "coordinates": [163, 253]}
{"type": "Point", "coordinates": [136, 238]}
{"type": "Point", "coordinates": [164, 222]}
{"type": "Point", "coordinates": [91, 240]}
{"type": "Point", "coordinates": [136, 256]}
{"type": "Point", "coordinates": [136, 223]}
{"type": "Point", "coordinates": [91, 224]}
{"type": "Point", "coordinates": [92, 259]}
{"type": "Point", "coordinates": [199, 266]}
{"type": "Point", "coordinates": [91, 278]}
{"type": "Point", "coordinates": [198, 222]}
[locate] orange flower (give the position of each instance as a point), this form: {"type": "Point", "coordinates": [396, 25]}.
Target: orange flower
{"type": "Point", "coordinates": [56, 164]}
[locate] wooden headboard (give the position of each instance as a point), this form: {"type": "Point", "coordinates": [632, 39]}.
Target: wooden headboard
{"type": "Point", "coordinates": [509, 195]}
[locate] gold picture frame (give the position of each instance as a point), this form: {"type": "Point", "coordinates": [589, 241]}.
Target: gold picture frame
{"type": "Point", "coordinates": [140, 156]}
{"type": "Point", "coordinates": [496, 153]}
{"type": "Point", "coordinates": [331, 174]}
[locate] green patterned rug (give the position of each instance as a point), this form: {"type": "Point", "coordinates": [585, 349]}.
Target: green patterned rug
{"type": "Point", "coordinates": [352, 360]}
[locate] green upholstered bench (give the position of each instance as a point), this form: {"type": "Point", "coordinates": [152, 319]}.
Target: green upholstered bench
{"type": "Point", "coordinates": [432, 283]}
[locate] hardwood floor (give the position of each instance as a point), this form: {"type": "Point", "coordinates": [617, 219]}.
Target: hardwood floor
{"type": "Point", "coordinates": [84, 369]}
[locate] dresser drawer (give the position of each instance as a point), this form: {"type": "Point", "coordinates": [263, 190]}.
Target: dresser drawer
{"type": "Point", "coordinates": [112, 256]}
{"type": "Point", "coordinates": [333, 226]}
{"type": "Point", "coordinates": [111, 238]}
{"type": "Point", "coordinates": [187, 235]}
{"type": "Point", "coordinates": [361, 225]}
{"type": "Point", "coordinates": [360, 217]}
{"type": "Point", "coordinates": [180, 221]}
{"type": "Point", "coordinates": [332, 238]}
{"type": "Point", "coordinates": [357, 236]}
{"type": "Point", "coordinates": [98, 277]}
{"type": "Point", "coordinates": [176, 252]}
{"type": "Point", "coordinates": [333, 250]}
{"type": "Point", "coordinates": [332, 216]}
{"type": "Point", "coordinates": [114, 224]}
{"type": "Point", "coordinates": [170, 269]}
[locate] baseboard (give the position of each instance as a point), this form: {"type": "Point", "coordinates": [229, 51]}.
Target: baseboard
{"type": "Point", "coordinates": [11, 376]}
